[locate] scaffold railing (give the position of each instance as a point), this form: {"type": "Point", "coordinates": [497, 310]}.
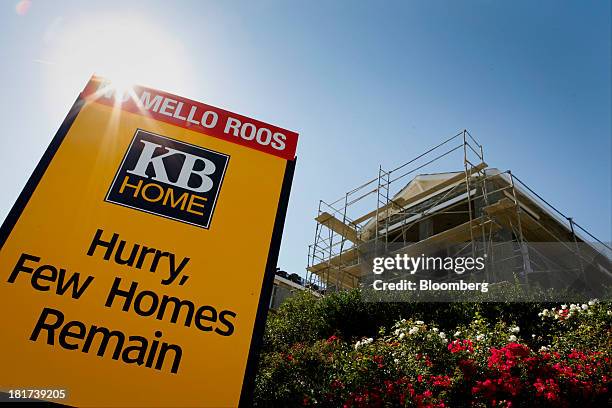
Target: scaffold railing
{"type": "Point", "coordinates": [479, 203]}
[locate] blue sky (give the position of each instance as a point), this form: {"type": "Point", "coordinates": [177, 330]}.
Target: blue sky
{"type": "Point", "coordinates": [364, 83]}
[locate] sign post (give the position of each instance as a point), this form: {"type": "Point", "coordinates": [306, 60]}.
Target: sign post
{"type": "Point", "coordinates": [137, 264]}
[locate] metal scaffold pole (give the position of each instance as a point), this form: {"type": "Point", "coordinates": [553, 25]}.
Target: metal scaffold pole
{"type": "Point", "coordinates": [454, 211]}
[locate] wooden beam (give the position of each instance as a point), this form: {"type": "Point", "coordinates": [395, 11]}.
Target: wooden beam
{"type": "Point", "coordinates": [501, 205]}
{"type": "Point", "coordinates": [532, 229]}
{"type": "Point", "coordinates": [521, 200]}
{"type": "Point", "coordinates": [404, 202]}
{"type": "Point", "coordinates": [455, 235]}
{"type": "Point", "coordinates": [338, 277]}
{"type": "Point", "coordinates": [345, 257]}
{"type": "Point", "coordinates": [399, 203]}
{"type": "Point", "coordinates": [338, 226]}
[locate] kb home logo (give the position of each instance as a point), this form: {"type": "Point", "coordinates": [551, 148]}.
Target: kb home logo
{"type": "Point", "coordinates": [169, 178]}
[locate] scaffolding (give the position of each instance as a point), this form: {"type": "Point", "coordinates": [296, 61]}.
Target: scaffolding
{"type": "Point", "coordinates": [476, 211]}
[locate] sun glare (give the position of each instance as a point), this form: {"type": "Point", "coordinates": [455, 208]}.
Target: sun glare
{"type": "Point", "coordinates": [126, 50]}
{"type": "Point", "coordinates": [119, 88]}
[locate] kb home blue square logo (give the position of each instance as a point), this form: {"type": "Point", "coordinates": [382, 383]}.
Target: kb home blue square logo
{"type": "Point", "coordinates": [172, 179]}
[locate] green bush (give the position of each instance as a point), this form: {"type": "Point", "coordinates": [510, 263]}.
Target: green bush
{"type": "Point", "coordinates": [306, 318]}
{"type": "Point", "coordinates": [338, 351]}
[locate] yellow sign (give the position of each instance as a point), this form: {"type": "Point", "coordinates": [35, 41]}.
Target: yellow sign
{"type": "Point", "coordinates": [137, 264]}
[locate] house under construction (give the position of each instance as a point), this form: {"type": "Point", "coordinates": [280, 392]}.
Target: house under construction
{"type": "Point", "coordinates": [472, 211]}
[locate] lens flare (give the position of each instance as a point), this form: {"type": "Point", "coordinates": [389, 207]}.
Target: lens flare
{"type": "Point", "coordinates": [125, 49]}
{"type": "Point", "coordinates": [23, 7]}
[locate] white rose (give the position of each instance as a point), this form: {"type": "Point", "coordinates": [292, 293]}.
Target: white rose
{"type": "Point", "coordinates": [515, 329]}
{"type": "Point", "coordinates": [442, 335]}
{"type": "Point", "coordinates": [512, 338]}
{"type": "Point", "coordinates": [457, 334]}
{"type": "Point", "coordinates": [584, 307]}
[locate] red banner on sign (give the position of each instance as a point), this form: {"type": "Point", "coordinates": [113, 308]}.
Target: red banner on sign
{"type": "Point", "coordinates": [196, 116]}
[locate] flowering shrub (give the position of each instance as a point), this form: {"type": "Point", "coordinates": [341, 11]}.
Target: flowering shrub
{"type": "Point", "coordinates": [578, 326]}
{"type": "Point", "coordinates": [478, 363]}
